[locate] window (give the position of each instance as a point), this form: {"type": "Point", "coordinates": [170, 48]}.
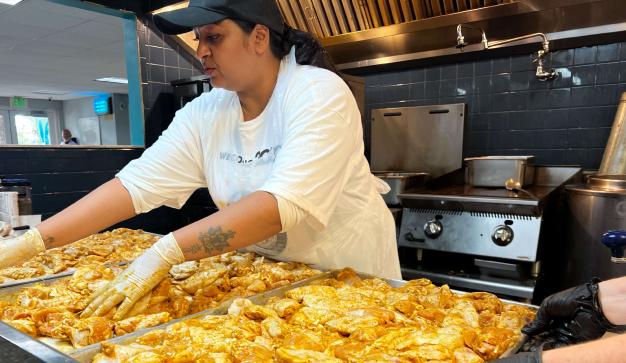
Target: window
{"type": "Point", "coordinates": [32, 130]}
{"type": "Point", "coordinates": [29, 127]}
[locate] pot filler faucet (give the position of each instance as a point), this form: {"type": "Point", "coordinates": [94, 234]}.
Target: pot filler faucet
{"type": "Point", "coordinates": [541, 74]}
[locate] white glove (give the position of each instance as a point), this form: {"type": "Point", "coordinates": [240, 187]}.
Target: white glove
{"type": "Point", "coordinates": [14, 251]}
{"type": "Point", "coordinates": [5, 229]}
{"type": "Point", "coordinates": [137, 280]}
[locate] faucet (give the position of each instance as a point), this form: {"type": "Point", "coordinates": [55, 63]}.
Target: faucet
{"type": "Point", "coordinates": [541, 74]}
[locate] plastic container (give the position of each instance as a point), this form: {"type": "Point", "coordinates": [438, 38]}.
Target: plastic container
{"type": "Point", "coordinates": [24, 191]}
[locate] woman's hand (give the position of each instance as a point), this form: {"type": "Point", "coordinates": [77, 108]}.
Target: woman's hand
{"type": "Point", "coordinates": [14, 251]}
{"type": "Point", "coordinates": [137, 280]}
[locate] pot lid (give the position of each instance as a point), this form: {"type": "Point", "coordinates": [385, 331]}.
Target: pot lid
{"type": "Point", "coordinates": [611, 183]}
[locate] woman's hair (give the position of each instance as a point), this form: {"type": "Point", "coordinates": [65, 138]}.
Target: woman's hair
{"type": "Point", "coordinates": [308, 50]}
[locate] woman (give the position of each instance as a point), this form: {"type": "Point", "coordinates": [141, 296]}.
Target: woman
{"type": "Point", "coordinates": [279, 144]}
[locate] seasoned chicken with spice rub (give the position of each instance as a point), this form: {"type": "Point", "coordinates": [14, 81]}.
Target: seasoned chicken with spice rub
{"type": "Point", "coordinates": [345, 319]}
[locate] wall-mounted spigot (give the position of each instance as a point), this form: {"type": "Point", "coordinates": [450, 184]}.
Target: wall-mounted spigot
{"type": "Point", "coordinates": [460, 39]}
{"type": "Point", "coordinates": [541, 73]}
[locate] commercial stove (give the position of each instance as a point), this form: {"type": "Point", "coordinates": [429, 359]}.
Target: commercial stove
{"type": "Point", "coordinates": [485, 239]}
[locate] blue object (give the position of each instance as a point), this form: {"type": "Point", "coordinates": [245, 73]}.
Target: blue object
{"type": "Point", "coordinates": [102, 105]}
{"type": "Point", "coordinates": [135, 108]}
{"type": "Point", "coordinates": [43, 129]}
{"type": "Point", "coordinates": [616, 241]}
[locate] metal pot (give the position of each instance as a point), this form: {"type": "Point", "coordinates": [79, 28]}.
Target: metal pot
{"type": "Point", "coordinates": [493, 171]}
{"type": "Point", "coordinates": [594, 208]}
{"type": "Point", "coordinates": [400, 182]}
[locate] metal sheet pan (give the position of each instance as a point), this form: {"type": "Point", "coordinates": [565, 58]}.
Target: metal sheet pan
{"type": "Point", "coordinates": [36, 348]}
{"type": "Point", "coordinates": [221, 309]}
{"type": "Point", "coordinates": [34, 280]}
{"type": "Point", "coordinates": [86, 354]}
{"type": "Point", "coordinates": [68, 272]}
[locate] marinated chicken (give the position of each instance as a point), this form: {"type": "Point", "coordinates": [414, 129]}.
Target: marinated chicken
{"type": "Point", "coordinates": [114, 247]}
{"type": "Point", "coordinates": [52, 311]}
{"type": "Point", "coordinates": [345, 319]}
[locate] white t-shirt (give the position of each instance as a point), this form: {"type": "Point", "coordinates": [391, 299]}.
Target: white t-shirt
{"type": "Point", "coordinates": [306, 147]}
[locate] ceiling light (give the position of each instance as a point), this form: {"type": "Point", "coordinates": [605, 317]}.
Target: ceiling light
{"type": "Point", "coordinates": [113, 80]}
{"type": "Point", "coordinates": [49, 92]}
{"type": "Point", "coordinates": [180, 5]}
{"type": "Point", "coordinates": [9, 2]}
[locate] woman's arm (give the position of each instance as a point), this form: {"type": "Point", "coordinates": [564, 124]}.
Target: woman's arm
{"type": "Point", "coordinates": [252, 219]}
{"type": "Point", "coordinates": [110, 203]}
{"type": "Point", "coordinates": [609, 350]}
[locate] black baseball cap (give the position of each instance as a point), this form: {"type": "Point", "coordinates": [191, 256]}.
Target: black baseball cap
{"type": "Point", "coordinates": [202, 12]}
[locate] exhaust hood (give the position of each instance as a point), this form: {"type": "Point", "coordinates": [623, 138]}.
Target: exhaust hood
{"type": "Point", "coordinates": [567, 23]}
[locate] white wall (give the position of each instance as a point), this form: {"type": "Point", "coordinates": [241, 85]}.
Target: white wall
{"type": "Point", "coordinates": [81, 120]}
{"type": "Point", "coordinates": [89, 128]}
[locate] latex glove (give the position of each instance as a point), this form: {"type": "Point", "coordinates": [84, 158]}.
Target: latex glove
{"type": "Point", "coordinates": [14, 251]}
{"type": "Point", "coordinates": [572, 316]}
{"type": "Point", "coordinates": [5, 229]}
{"type": "Point", "coordinates": [137, 280]}
{"type": "Point", "coordinates": [529, 357]}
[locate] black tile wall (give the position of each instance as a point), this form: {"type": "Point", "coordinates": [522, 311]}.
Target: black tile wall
{"type": "Point", "coordinates": [564, 121]}
{"type": "Point", "coordinates": [60, 176]}
{"type": "Point", "coordinates": [165, 61]}
{"type": "Point", "coordinates": [162, 61]}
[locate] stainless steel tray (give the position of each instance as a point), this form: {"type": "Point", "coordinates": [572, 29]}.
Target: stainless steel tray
{"type": "Point", "coordinates": [86, 354]}
{"type": "Point", "coordinates": [34, 280]}
{"type": "Point", "coordinates": [68, 272]}
{"type": "Point", "coordinates": [221, 309]}
{"type": "Point", "coordinates": [34, 347]}
{"type": "Point", "coordinates": [493, 171]}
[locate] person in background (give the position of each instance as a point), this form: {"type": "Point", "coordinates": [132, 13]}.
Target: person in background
{"type": "Point", "coordinates": [581, 314]}
{"type": "Point", "coordinates": [278, 142]}
{"type": "Point", "coordinates": [66, 135]}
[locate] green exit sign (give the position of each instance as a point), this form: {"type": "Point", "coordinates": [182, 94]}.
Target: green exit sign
{"type": "Point", "coordinates": [17, 102]}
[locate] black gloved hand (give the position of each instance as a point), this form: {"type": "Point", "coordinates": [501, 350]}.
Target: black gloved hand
{"type": "Point", "coordinates": [528, 357]}
{"type": "Point", "coordinates": [572, 316]}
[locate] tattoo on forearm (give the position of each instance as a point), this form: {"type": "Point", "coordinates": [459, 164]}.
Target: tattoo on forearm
{"type": "Point", "coordinates": [213, 242]}
{"type": "Point", "coordinates": [49, 240]}
{"type": "Point", "coordinates": [191, 250]}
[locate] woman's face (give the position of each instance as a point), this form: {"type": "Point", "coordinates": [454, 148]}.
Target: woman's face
{"type": "Point", "coordinates": [229, 55]}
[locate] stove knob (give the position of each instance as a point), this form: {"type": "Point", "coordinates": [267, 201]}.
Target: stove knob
{"type": "Point", "coordinates": [433, 229]}
{"type": "Point", "coordinates": [502, 235]}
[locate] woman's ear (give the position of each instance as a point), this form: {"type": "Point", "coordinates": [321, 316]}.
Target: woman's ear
{"type": "Point", "coordinates": [261, 39]}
